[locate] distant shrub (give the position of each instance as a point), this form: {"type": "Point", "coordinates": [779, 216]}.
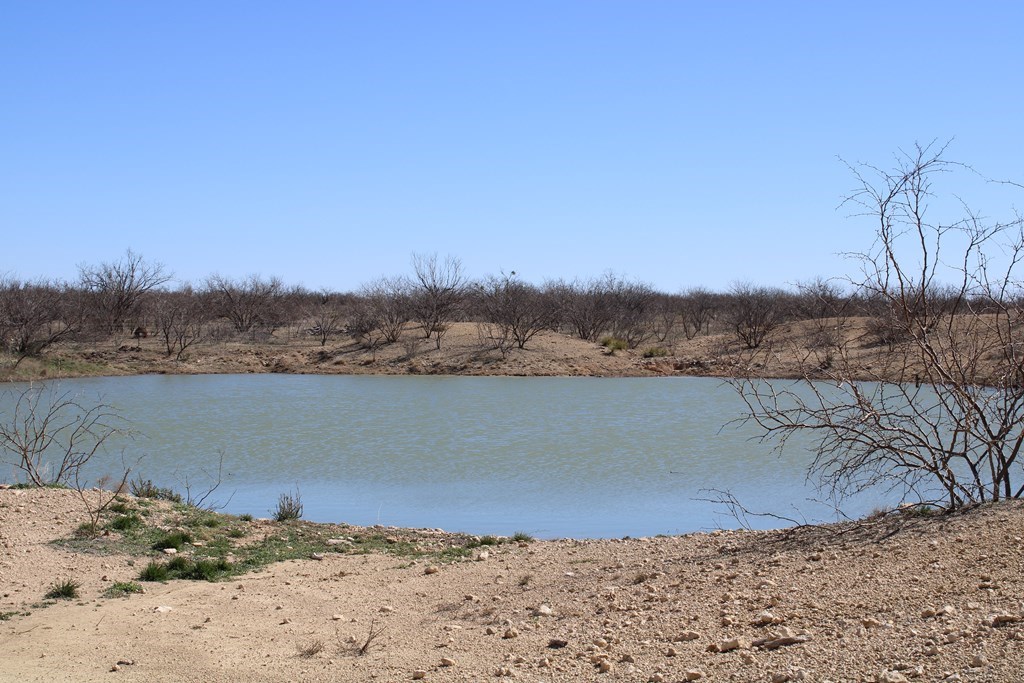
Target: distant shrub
{"type": "Point", "coordinates": [656, 352]}
{"type": "Point", "coordinates": [522, 537]}
{"type": "Point", "coordinates": [614, 344]}
{"type": "Point", "coordinates": [246, 517]}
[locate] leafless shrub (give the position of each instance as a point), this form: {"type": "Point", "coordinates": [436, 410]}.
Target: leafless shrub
{"type": "Point", "coordinates": [941, 421]}
{"type": "Point", "coordinates": [248, 304]}
{"type": "Point", "coordinates": [51, 435]}
{"type": "Point", "coordinates": [512, 311]}
{"type": "Point", "coordinates": [754, 312]}
{"type": "Point", "coordinates": [374, 633]}
{"type": "Point", "coordinates": [310, 649]}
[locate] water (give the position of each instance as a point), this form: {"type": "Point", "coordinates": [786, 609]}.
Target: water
{"type": "Point", "coordinates": [579, 457]}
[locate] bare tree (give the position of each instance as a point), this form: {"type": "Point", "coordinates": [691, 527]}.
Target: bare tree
{"type": "Point", "coordinates": [512, 311]}
{"type": "Point", "coordinates": [50, 435]}
{"type": "Point", "coordinates": [327, 316]}
{"type": "Point", "coordinates": [941, 417]}
{"type": "Point", "coordinates": [383, 307]}
{"type": "Point", "coordinates": [180, 319]}
{"type": "Point", "coordinates": [754, 312]}
{"type": "Point", "coordinates": [247, 304]}
{"type": "Point", "coordinates": [584, 306]}
{"type": "Point", "coordinates": [438, 291]}
{"type": "Point", "coordinates": [698, 307]}
{"type": "Point", "coordinates": [632, 306]}
{"type": "Point", "coordinates": [34, 315]}
{"type": "Point", "coordinates": [116, 289]}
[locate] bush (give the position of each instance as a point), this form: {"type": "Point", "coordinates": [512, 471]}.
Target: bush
{"type": "Point", "coordinates": [245, 517]}
{"type": "Point", "coordinates": [522, 537]}
{"type": "Point", "coordinates": [656, 352]}
{"type": "Point", "coordinates": [289, 506]}
{"type": "Point", "coordinates": [614, 344]}
{"type": "Point", "coordinates": [63, 590]}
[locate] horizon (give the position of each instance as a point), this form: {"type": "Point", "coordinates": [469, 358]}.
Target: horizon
{"type": "Point", "coordinates": [677, 145]}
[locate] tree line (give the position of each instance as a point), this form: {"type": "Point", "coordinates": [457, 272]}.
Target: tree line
{"type": "Point", "coordinates": [132, 295]}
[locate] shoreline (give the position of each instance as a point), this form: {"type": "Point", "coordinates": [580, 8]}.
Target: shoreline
{"type": "Point", "coordinates": [902, 597]}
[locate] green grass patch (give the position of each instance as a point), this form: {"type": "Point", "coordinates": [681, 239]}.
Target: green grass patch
{"type": "Point", "coordinates": [174, 539]}
{"type": "Point", "coordinates": [125, 522]}
{"type": "Point", "coordinates": [122, 589]}
{"type": "Point", "coordinates": [522, 537]}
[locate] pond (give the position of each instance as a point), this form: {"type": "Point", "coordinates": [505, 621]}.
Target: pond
{"type": "Point", "coordinates": [549, 456]}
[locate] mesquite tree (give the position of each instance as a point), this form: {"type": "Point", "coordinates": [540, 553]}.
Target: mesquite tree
{"type": "Point", "coordinates": [940, 415]}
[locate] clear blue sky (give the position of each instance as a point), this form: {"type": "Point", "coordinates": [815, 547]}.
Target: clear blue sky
{"type": "Point", "coordinates": [680, 143]}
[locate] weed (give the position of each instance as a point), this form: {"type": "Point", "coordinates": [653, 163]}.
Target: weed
{"type": "Point", "coordinates": [120, 507]}
{"type": "Point", "coordinates": [236, 533]}
{"type": "Point", "coordinates": [522, 537]}
{"type": "Point", "coordinates": [206, 570]}
{"type": "Point", "coordinates": [525, 580]}
{"type": "Point", "coordinates": [63, 590]}
{"type": "Point", "coordinates": [145, 488]}
{"type": "Point", "coordinates": [125, 522]}
{"type": "Point", "coordinates": [656, 352]}
{"type": "Point", "coordinates": [154, 571]}
{"type": "Point", "coordinates": [311, 649]}
{"type": "Point", "coordinates": [175, 539]}
{"type": "Point", "coordinates": [87, 530]}
{"type": "Point", "coordinates": [178, 564]}
{"type": "Point", "coordinates": [374, 633]}
{"type": "Point", "coordinates": [246, 517]}
{"type": "Point", "coordinates": [289, 506]}
{"type": "Point", "coordinates": [123, 589]}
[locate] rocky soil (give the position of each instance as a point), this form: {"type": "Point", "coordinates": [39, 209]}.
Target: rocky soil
{"type": "Point", "coordinates": [902, 597]}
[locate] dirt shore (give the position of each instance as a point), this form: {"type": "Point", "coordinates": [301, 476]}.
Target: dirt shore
{"type": "Point", "coordinates": [463, 352]}
{"type": "Point", "coordinates": [903, 597]}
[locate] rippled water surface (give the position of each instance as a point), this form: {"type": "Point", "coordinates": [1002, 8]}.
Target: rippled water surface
{"type": "Point", "coordinates": [581, 457]}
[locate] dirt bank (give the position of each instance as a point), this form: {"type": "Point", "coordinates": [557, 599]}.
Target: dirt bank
{"type": "Point", "coordinates": [907, 597]}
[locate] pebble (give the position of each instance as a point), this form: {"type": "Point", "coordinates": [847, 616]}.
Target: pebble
{"type": "Point", "coordinates": [693, 675]}
{"type": "Point", "coordinates": [419, 675]}
{"type": "Point", "coordinates": [431, 569]}
{"type": "Point", "coordinates": [543, 611]}
{"type": "Point", "coordinates": [510, 633]}
{"type": "Point", "coordinates": [685, 636]}
{"type": "Point", "coordinates": [447, 661]}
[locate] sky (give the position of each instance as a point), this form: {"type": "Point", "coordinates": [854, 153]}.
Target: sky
{"type": "Point", "coordinates": [681, 144]}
